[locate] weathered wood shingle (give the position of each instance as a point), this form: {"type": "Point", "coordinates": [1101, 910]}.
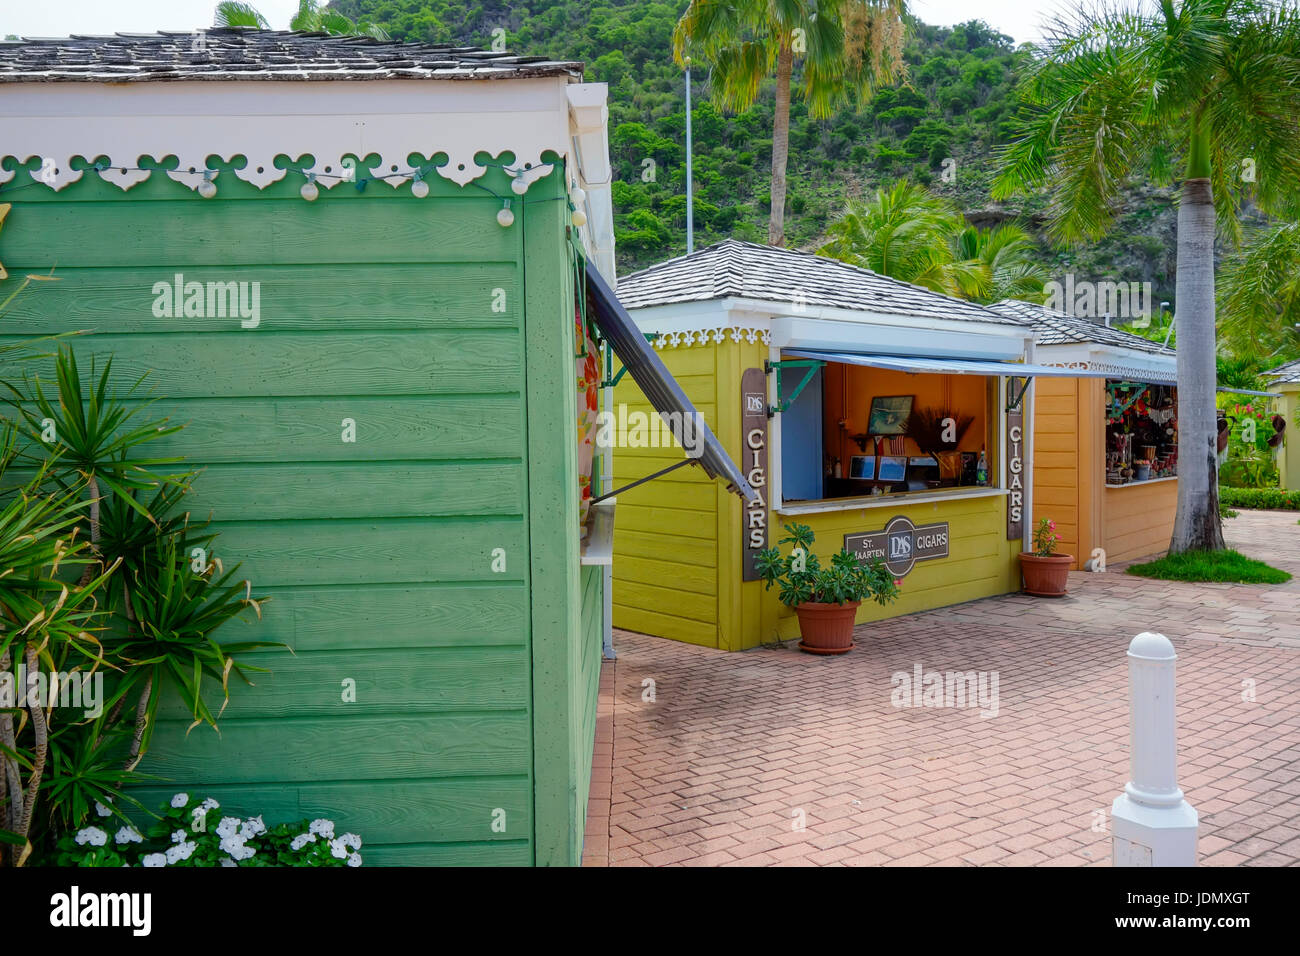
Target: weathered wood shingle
{"type": "Point", "coordinates": [237, 53]}
{"type": "Point", "coordinates": [745, 270]}
{"type": "Point", "coordinates": [1052, 327]}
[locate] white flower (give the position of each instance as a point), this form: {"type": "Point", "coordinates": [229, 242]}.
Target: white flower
{"type": "Point", "coordinates": [351, 840]}
{"type": "Point", "coordinates": [301, 840]}
{"type": "Point", "coordinates": [228, 826]}
{"type": "Point", "coordinates": [92, 835]}
{"type": "Point", "coordinates": [128, 835]}
{"type": "Point", "coordinates": [338, 850]}
{"type": "Point", "coordinates": [252, 827]}
{"type": "Point", "coordinates": [324, 827]}
{"type": "Point", "coordinates": [179, 852]}
{"type": "Point", "coordinates": [179, 836]}
{"type": "Point", "coordinates": [102, 810]}
{"type": "Point", "coordinates": [180, 800]}
{"type": "Point", "coordinates": [154, 859]}
{"type": "Point", "coordinates": [209, 804]}
{"type": "Point", "coordinates": [227, 861]}
{"type": "Point", "coordinates": [234, 845]}
{"type": "Point", "coordinates": [354, 859]}
{"type": "Point", "coordinates": [200, 818]}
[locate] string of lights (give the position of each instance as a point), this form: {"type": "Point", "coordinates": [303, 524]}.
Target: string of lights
{"type": "Point", "coordinates": [419, 187]}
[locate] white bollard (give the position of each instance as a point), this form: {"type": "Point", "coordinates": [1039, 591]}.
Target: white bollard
{"type": "Point", "coordinates": [1152, 825]}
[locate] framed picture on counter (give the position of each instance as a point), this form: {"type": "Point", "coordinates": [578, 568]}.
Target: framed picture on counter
{"type": "Point", "coordinates": [893, 467]}
{"type": "Point", "coordinates": [862, 467]}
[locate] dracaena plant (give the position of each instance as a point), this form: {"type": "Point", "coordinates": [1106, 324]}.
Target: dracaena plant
{"type": "Point", "coordinates": [97, 580]}
{"type": "Point", "coordinates": [801, 577]}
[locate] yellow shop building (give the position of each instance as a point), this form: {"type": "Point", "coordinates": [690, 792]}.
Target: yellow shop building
{"type": "Point", "coordinates": [890, 419]}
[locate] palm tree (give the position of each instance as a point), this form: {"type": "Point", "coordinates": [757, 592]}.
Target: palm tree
{"type": "Point", "coordinates": [1259, 298]}
{"type": "Point", "coordinates": [905, 232]}
{"type": "Point", "coordinates": [848, 49]}
{"type": "Point", "coordinates": [310, 18]}
{"type": "Point", "coordinates": [1118, 92]}
{"type": "Point", "coordinates": [232, 14]}
{"type": "Point", "coordinates": [908, 233]}
{"type": "Point", "coordinates": [1007, 254]}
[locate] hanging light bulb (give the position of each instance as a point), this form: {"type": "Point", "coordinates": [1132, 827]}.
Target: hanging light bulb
{"type": "Point", "coordinates": [518, 186]}
{"type": "Point", "coordinates": [578, 195]}
{"type": "Point", "coordinates": [309, 189]}
{"type": "Point", "coordinates": [579, 218]}
{"type": "Point", "coordinates": [419, 188]}
{"type": "Point", "coordinates": [207, 188]}
{"type": "Point", "coordinates": [505, 218]}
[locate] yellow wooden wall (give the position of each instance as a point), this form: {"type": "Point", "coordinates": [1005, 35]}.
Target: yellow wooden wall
{"type": "Point", "coordinates": [1288, 460]}
{"type": "Point", "coordinates": [1060, 458]}
{"type": "Point", "coordinates": [981, 561]}
{"type": "Point", "coordinates": [666, 531]}
{"type": "Point", "coordinates": [1139, 520]}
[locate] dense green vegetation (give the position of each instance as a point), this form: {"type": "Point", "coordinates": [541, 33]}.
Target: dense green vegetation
{"type": "Point", "coordinates": [939, 128]}
{"type": "Point", "coordinates": [1269, 499]}
{"type": "Point", "coordinates": [956, 104]}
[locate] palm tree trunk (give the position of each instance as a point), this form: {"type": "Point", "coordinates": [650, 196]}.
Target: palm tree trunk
{"type": "Point", "coordinates": [40, 750]}
{"type": "Point", "coordinates": [780, 144]}
{"type": "Point", "coordinates": [1197, 524]}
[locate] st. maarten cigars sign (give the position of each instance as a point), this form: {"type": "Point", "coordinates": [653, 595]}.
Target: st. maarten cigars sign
{"type": "Point", "coordinates": [900, 544]}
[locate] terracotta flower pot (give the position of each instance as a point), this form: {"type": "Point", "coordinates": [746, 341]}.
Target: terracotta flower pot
{"type": "Point", "coordinates": [826, 628]}
{"type": "Point", "coordinates": [1045, 577]}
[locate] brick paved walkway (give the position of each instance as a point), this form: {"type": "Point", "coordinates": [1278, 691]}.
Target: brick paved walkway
{"type": "Point", "coordinates": [737, 749]}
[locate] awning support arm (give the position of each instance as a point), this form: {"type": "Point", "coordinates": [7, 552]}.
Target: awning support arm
{"type": "Point", "coordinates": [1015, 402]}
{"type": "Point", "coordinates": [642, 481]}
{"type": "Point", "coordinates": [811, 364]}
{"type": "Point", "coordinates": [610, 378]}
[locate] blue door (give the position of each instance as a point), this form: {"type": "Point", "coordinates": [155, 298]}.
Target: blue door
{"type": "Point", "coordinates": [801, 442]}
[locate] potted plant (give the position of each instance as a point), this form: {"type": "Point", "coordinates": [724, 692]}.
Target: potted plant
{"type": "Point", "coordinates": [1045, 571]}
{"type": "Point", "coordinates": [826, 599]}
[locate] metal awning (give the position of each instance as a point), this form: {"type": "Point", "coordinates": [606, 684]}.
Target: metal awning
{"type": "Point", "coordinates": [1246, 391]}
{"type": "Point", "coordinates": [667, 397]}
{"type": "Point", "coordinates": [956, 366]}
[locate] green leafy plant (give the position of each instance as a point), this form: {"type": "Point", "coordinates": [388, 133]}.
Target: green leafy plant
{"type": "Point", "coordinates": [1267, 499]}
{"type": "Point", "coordinates": [1045, 538]}
{"type": "Point", "coordinates": [801, 577]}
{"type": "Point", "coordinates": [100, 590]}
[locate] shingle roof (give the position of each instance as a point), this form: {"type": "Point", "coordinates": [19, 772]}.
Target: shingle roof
{"type": "Point", "coordinates": [1061, 328]}
{"type": "Point", "coordinates": [237, 53]}
{"type": "Point", "coordinates": [744, 270]}
{"type": "Point", "coordinates": [1284, 374]}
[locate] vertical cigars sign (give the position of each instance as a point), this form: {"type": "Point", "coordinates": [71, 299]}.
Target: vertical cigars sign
{"type": "Point", "coordinates": [1016, 472]}
{"type": "Point", "coordinates": [753, 437]}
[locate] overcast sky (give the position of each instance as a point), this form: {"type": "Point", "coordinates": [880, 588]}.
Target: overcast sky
{"type": "Point", "coordinates": [48, 18]}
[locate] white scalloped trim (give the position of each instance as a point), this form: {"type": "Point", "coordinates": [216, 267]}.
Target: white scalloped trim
{"type": "Point", "coordinates": [750, 333]}
{"type": "Point", "coordinates": [379, 123]}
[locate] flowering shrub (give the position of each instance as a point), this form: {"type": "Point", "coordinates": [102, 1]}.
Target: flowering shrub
{"type": "Point", "coordinates": [1045, 538]}
{"type": "Point", "coordinates": [192, 832]}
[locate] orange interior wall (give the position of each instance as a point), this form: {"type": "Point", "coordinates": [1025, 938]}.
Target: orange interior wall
{"type": "Point", "coordinates": [962, 394]}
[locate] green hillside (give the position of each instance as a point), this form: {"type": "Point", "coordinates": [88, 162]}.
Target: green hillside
{"type": "Point", "coordinates": [954, 107]}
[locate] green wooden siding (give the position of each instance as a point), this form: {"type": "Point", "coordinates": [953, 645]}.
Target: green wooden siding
{"type": "Point", "coordinates": [377, 555]}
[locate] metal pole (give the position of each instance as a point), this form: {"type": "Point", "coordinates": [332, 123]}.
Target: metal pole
{"type": "Point", "coordinates": [690, 205]}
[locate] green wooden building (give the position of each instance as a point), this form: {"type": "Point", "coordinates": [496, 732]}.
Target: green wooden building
{"type": "Point", "coordinates": [351, 268]}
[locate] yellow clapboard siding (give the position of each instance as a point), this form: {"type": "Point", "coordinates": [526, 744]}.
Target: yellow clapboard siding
{"type": "Point", "coordinates": [684, 577]}
{"type": "Point", "coordinates": [684, 604]}
{"type": "Point", "coordinates": [665, 625]}
{"type": "Point", "coordinates": [663, 547]}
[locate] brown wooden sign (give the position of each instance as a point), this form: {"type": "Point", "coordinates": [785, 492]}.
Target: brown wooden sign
{"type": "Point", "coordinates": [900, 544]}
{"type": "Point", "coordinates": [753, 462]}
{"type": "Point", "coordinates": [1016, 472]}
